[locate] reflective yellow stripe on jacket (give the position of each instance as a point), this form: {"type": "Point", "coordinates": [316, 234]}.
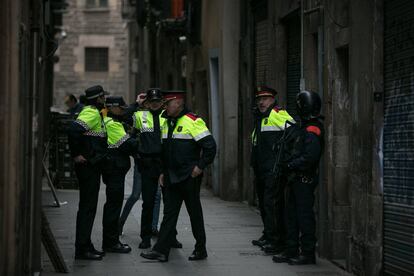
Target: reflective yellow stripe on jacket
{"type": "Point", "coordinates": [275, 122]}
{"type": "Point", "coordinates": [188, 127]}
{"type": "Point", "coordinates": [90, 119]}
{"type": "Point", "coordinates": [144, 121]}
{"type": "Point", "coordinates": [115, 132]}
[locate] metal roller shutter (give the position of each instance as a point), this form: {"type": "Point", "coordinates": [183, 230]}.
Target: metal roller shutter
{"type": "Point", "coordinates": [398, 143]}
{"type": "Point", "coordinates": [293, 63]}
{"type": "Point", "coordinates": [261, 53]}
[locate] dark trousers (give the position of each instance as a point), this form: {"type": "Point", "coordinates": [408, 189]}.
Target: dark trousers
{"type": "Point", "coordinates": [300, 218]}
{"type": "Point", "coordinates": [189, 192]}
{"type": "Point", "coordinates": [271, 197]}
{"type": "Point", "coordinates": [114, 180]}
{"type": "Point", "coordinates": [149, 190]}
{"type": "Point", "coordinates": [89, 178]}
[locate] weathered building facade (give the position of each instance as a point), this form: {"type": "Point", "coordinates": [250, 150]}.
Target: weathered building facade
{"type": "Point", "coordinates": [358, 56]}
{"type": "Point", "coordinates": [26, 54]}
{"type": "Point", "coordinates": [98, 47]}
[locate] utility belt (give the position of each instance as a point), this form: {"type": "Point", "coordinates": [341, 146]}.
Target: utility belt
{"type": "Point", "coordinates": [305, 178]}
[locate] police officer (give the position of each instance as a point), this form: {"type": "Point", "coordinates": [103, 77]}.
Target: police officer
{"type": "Point", "coordinates": [269, 125]}
{"type": "Point", "coordinates": [304, 149]}
{"type": "Point", "coordinates": [87, 142]}
{"type": "Point", "coordinates": [188, 147]}
{"type": "Point", "coordinates": [148, 123]}
{"type": "Point", "coordinates": [117, 164]}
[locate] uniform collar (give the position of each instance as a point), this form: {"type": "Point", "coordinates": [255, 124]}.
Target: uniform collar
{"type": "Point", "coordinates": [266, 113]}
{"type": "Point", "coordinates": [181, 114]}
{"type": "Point", "coordinates": [156, 112]}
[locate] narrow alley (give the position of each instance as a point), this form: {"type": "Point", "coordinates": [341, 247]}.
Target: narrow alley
{"type": "Point", "coordinates": [230, 228]}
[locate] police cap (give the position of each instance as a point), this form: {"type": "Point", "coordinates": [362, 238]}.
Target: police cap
{"type": "Point", "coordinates": [174, 94]}
{"type": "Point", "coordinates": [95, 92]}
{"type": "Point", "coordinates": [153, 94]}
{"type": "Point", "coordinates": [265, 91]}
{"type": "Point", "coordinates": [115, 101]}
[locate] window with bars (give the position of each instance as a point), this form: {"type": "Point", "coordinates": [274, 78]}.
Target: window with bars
{"type": "Point", "coordinates": [96, 59]}
{"type": "Point", "coordinates": [96, 3]}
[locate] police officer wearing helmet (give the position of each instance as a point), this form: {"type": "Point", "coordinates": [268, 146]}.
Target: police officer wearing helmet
{"type": "Point", "coordinates": [119, 147]}
{"type": "Point", "coordinates": [303, 153]}
{"type": "Point", "coordinates": [87, 143]}
{"type": "Point", "coordinates": [188, 148]}
{"type": "Point", "coordinates": [148, 123]}
{"type": "Point", "coordinates": [270, 121]}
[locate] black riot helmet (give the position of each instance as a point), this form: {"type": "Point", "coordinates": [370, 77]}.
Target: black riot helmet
{"type": "Point", "coordinates": [308, 104]}
{"type": "Point", "coordinates": [154, 94]}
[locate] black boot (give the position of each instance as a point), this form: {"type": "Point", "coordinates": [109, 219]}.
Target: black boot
{"type": "Point", "coordinates": [262, 241]}
{"type": "Point", "coordinates": [88, 255]}
{"type": "Point", "coordinates": [97, 252]}
{"type": "Point", "coordinates": [272, 249]}
{"type": "Point", "coordinates": [283, 257]}
{"type": "Point", "coordinates": [176, 244]}
{"type": "Point", "coordinates": [302, 260]}
{"type": "Point", "coordinates": [117, 248]}
{"type": "Point", "coordinates": [154, 255]}
{"type": "Point", "coordinates": [146, 243]}
{"type": "Point", "coordinates": [198, 255]}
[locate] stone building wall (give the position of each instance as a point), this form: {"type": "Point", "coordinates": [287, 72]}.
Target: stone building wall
{"type": "Point", "coordinates": [93, 27]}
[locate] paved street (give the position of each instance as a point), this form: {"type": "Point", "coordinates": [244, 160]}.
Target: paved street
{"type": "Point", "coordinates": [230, 227]}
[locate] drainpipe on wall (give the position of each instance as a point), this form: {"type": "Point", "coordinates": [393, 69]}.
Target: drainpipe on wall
{"type": "Point", "coordinates": [302, 77]}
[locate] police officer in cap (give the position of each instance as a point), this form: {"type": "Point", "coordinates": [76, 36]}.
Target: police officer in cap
{"type": "Point", "coordinates": [188, 148]}
{"type": "Point", "coordinates": [117, 164]}
{"type": "Point", "coordinates": [87, 142]}
{"type": "Point", "coordinates": [270, 121]}
{"type": "Point", "coordinates": [148, 123]}
{"type": "Point", "coordinates": [303, 152]}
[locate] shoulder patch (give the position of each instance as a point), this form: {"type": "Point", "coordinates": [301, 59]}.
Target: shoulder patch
{"type": "Point", "coordinates": [192, 116]}
{"type": "Point", "coordinates": [276, 108]}
{"type": "Point", "coordinates": [314, 129]}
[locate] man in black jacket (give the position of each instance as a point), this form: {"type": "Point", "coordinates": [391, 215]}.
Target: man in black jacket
{"type": "Point", "coordinates": [87, 142]}
{"type": "Point", "coordinates": [303, 152]}
{"type": "Point", "coordinates": [188, 148]}
{"type": "Point", "coordinates": [149, 123]}
{"type": "Point", "coordinates": [270, 121]}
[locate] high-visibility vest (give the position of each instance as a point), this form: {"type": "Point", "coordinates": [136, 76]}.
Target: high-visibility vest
{"type": "Point", "coordinates": [115, 132]}
{"type": "Point", "coordinates": [275, 122]}
{"type": "Point", "coordinates": [188, 127]}
{"type": "Point", "coordinates": [90, 119]}
{"type": "Point", "coordinates": [143, 121]}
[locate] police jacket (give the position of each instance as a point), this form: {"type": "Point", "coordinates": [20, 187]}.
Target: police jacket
{"type": "Point", "coordinates": [305, 148]}
{"type": "Point", "coordinates": [187, 143]}
{"type": "Point", "coordinates": [120, 144]}
{"type": "Point", "coordinates": [268, 129]}
{"type": "Point", "coordinates": [87, 135]}
{"type": "Point", "coordinates": [148, 124]}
